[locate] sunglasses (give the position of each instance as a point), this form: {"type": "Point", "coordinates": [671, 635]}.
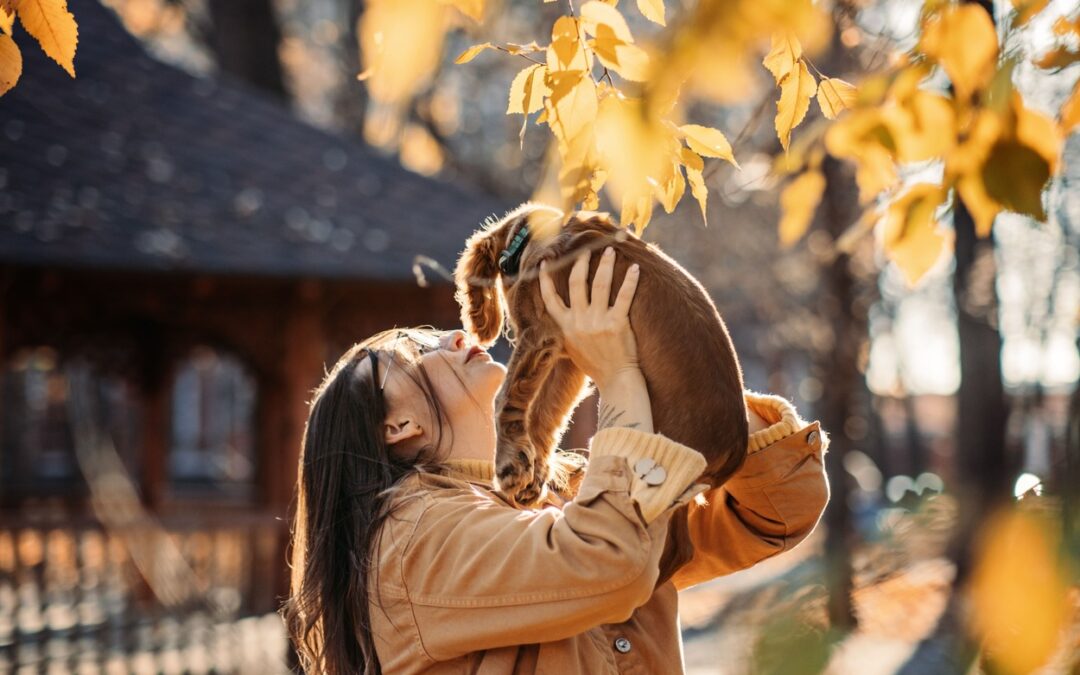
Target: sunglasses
{"type": "Point", "coordinates": [422, 341]}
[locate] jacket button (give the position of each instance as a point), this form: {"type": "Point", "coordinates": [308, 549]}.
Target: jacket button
{"type": "Point", "coordinates": [622, 645]}
{"type": "Point", "coordinates": [650, 472]}
{"type": "Point", "coordinates": [811, 438]}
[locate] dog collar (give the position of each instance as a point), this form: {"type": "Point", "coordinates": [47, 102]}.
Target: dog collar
{"type": "Point", "coordinates": [510, 258]}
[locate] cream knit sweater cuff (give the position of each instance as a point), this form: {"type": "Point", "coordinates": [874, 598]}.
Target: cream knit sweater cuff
{"type": "Point", "coordinates": [778, 412]}
{"type": "Point", "coordinates": [661, 468]}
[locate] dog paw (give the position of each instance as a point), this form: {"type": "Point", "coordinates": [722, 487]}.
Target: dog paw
{"type": "Point", "coordinates": [531, 492]}
{"type": "Point", "coordinates": [513, 471]}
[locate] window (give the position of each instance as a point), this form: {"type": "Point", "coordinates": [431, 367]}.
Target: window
{"type": "Point", "coordinates": [212, 441]}
{"type": "Point", "coordinates": [37, 421]}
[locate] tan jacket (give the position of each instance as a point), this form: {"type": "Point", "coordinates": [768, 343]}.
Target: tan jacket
{"type": "Point", "coordinates": [465, 583]}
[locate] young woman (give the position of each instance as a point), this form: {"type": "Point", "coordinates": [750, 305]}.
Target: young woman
{"type": "Point", "coordinates": [406, 561]}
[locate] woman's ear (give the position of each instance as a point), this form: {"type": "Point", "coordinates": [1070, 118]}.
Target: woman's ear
{"type": "Point", "coordinates": [400, 429]}
{"type": "Point", "coordinates": [477, 280]}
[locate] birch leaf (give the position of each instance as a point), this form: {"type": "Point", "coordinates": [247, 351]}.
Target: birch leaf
{"type": "Point", "coordinates": [963, 41]}
{"type": "Point", "coordinates": [474, 9]}
{"type": "Point", "coordinates": [10, 63]}
{"type": "Point", "coordinates": [595, 14]}
{"type": "Point", "coordinates": [784, 55]}
{"type": "Point", "coordinates": [472, 52]}
{"type": "Point", "coordinates": [53, 26]}
{"type": "Point", "coordinates": [798, 202]}
{"type": "Point", "coordinates": [527, 91]}
{"type": "Point", "coordinates": [7, 20]}
{"type": "Point", "coordinates": [708, 142]}
{"type": "Point", "coordinates": [834, 96]}
{"type": "Point", "coordinates": [795, 93]}
{"type": "Point", "coordinates": [653, 10]}
{"type": "Point", "coordinates": [694, 167]}
{"type": "Point", "coordinates": [913, 240]}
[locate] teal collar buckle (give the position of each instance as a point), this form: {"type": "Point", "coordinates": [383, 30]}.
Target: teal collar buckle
{"type": "Point", "coordinates": [510, 258]}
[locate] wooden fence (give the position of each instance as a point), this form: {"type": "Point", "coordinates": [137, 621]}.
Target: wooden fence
{"type": "Point", "coordinates": [187, 594]}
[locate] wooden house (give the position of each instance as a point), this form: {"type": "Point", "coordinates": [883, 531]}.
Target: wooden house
{"type": "Point", "coordinates": [179, 258]}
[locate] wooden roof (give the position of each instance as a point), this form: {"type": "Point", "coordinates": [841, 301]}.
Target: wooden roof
{"type": "Point", "coordinates": [136, 164]}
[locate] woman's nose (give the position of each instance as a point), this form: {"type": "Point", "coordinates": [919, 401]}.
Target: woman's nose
{"type": "Point", "coordinates": [454, 341]}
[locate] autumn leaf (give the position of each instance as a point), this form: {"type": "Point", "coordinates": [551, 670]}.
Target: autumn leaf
{"type": "Point", "coordinates": [798, 201]}
{"type": "Point", "coordinates": [653, 10]}
{"type": "Point", "coordinates": [1019, 592]}
{"type": "Point", "coordinates": [864, 136]}
{"type": "Point", "coordinates": [834, 96]}
{"type": "Point", "coordinates": [1070, 110]}
{"type": "Point", "coordinates": [628, 60]}
{"type": "Point", "coordinates": [530, 48]}
{"type": "Point", "coordinates": [1058, 58]}
{"type": "Point", "coordinates": [923, 126]}
{"type": "Point", "coordinates": [7, 21]}
{"type": "Point", "coordinates": [1063, 26]}
{"type": "Point", "coordinates": [1014, 176]}
{"type": "Point", "coordinates": [980, 205]}
{"type": "Point", "coordinates": [10, 63]}
{"type": "Point", "coordinates": [53, 26]}
{"type": "Point", "coordinates": [566, 51]}
{"type": "Point", "coordinates": [963, 41]}
{"type": "Point", "coordinates": [9, 6]}
{"type": "Point", "coordinates": [474, 9]}
{"type": "Point", "coordinates": [472, 52]}
{"type": "Point", "coordinates": [671, 186]}
{"type": "Point", "coordinates": [401, 42]}
{"type": "Point", "coordinates": [1025, 10]}
{"type": "Point", "coordinates": [912, 239]}
{"type": "Point", "coordinates": [595, 14]}
{"type": "Point", "coordinates": [783, 56]}
{"type": "Point", "coordinates": [695, 165]}
{"type": "Point", "coordinates": [708, 142]}
{"type": "Point", "coordinates": [795, 93]}
{"type": "Point", "coordinates": [527, 91]}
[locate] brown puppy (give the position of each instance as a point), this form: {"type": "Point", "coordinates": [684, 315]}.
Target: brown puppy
{"type": "Point", "coordinates": [685, 353]}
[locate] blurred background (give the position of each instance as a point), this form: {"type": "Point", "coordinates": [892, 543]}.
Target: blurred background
{"type": "Point", "coordinates": [213, 210]}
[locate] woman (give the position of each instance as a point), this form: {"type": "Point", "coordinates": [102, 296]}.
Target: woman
{"type": "Point", "coordinates": [406, 561]}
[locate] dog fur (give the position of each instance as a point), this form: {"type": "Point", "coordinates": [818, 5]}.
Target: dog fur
{"type": "Point", "coordinates": [684, 350]}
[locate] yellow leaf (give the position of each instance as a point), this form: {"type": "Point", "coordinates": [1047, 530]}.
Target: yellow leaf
{"type": "Point", "coordinates": [628, 60]}
{"type": "Point", "coordinates": [7, 21]}
{"type": "Point", "coordinates": [923, 126]}
{"type": "Point", "coordinates": [1063, 26]}
{"type": "Point", "coordinates": [694, 167]}
{"type": "Point", "coordinates": [401, 43]}
{"type": "Point", "coordinates": [474, 9]}
{"type": "Point", "coordinates": [595, 14]}
{"type": "Point", "coordinates": [10, 63]}
{"type": "Point", "coordinates": [1038, 132]}
{"type": "Point", "coordinates": [635, 149]}
{"type": "Point", "coordinates": [784, 55]}
{"type": "Point", "coordinates": [653, 10]}
{"type": "Point", "coordinates": [527, 91]}
{"type": "Point", "coordinates": [798, 202]}
{"type": "Point", "coordinates": [514, 48]}
{"type": "Point", "coordinates": [472, 52]}
{"type": "Point", "coordinates": [1014, 176]}
{"type": "Point", "coordinates": [1019, 592]}
{"type": "Point", "coordinates": [1070, 110]}
{"type": "Point", "coordinates": [864, 136]}
{"type": "Point", "coordinates": [708, 142]}
{"type": "Point", "coordinates": [912, 239]}
{"type": "Point", "coordinates": [1061, 57]}
{"type": "Point", "coordinates": [834, 96]}
{"type": "Point", "coordinates": [566, 51]}
{"type": "Point", "coordinates": [671, 186]}
{"type": "Point", "coordinates": [637, 210]}
{"type": "Point", "coordinates": [981, 206]}
{"type": "Point", "coordinates": [1025, 9]}
{"type": "Point", "coordinates": [420, 151]}
{"type": "Point", "coordinates": [53, 26]}
{"type": "Point", "coordinates": [795, 93]}
{"type": "Point", "coordinates": [963, 41]}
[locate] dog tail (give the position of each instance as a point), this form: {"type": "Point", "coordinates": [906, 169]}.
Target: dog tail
{"type": "Point", "coordinates": [478, 292]}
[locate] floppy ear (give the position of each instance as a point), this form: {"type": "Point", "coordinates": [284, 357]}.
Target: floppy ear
{"type": "Point", "coordinates": [477, 279]}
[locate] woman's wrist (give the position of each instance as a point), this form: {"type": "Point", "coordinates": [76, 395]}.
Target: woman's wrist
{"type": "Point", "coordinates": [624, 401]}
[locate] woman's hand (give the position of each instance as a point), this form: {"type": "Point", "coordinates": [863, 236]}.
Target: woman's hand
{"type": "Point", "coordinates": [598, 338]}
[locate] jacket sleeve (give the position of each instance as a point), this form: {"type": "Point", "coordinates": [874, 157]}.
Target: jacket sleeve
{"type": "Point", "coordinates": [770, 505]}
{"type": "Point", "coordinates": [480, 575]}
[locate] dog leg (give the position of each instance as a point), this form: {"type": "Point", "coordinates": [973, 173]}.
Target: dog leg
{"type": "Point", "coordinates": [547, 419]}
{"type": "Point", "coordinates": [529, 366]}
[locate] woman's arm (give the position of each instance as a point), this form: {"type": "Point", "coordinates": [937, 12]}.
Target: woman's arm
{"type": "Point", "coordinates": [770, 505]}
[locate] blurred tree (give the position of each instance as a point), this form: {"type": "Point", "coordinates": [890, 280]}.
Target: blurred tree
{"type": "Point", "coordinates": [245, 36]}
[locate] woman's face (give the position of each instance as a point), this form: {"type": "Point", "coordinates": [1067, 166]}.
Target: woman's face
{"type": "Point", "coordinates": [464, 379]}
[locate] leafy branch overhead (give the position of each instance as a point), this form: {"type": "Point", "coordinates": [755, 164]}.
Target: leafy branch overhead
{"type": "Point", "coordinates": [47, 21]}
{"type": "Point", "coordinates": [616, 104]}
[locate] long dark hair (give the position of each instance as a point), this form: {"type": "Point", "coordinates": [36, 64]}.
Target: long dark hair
{"type": "Point", "coordinates": [346, 479]}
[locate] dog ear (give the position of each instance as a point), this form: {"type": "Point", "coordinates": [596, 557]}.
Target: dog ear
{"type": "Point", "coordinates": [477, 279]}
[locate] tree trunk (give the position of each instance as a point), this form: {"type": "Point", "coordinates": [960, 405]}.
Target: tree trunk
{"type": "Point", "coordinates": [244, 36]}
